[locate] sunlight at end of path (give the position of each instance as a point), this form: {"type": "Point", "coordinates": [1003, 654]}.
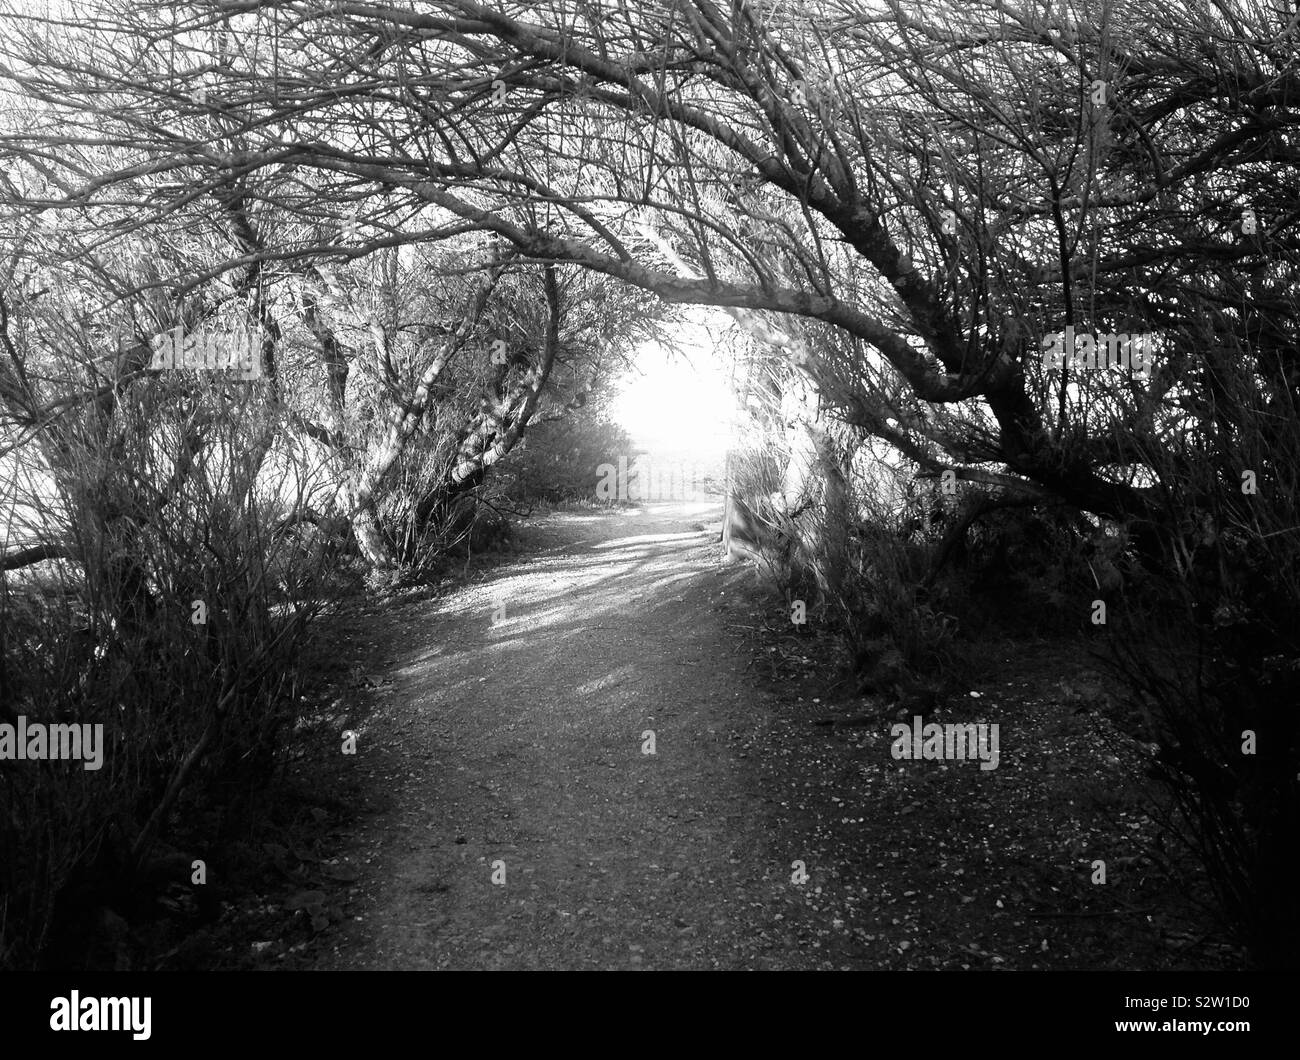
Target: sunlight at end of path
{"type": "Point", "coordinates": [674, 406]}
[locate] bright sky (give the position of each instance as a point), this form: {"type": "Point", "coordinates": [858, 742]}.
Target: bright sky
{"type": "Point", "coordinates": [679, 405]}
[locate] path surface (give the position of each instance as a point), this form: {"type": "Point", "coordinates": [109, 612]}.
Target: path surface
{"type": "Point", "coordinates": [520, 741]}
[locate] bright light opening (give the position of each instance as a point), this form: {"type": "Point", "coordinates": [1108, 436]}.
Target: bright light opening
{"type": "Point", "coordinates": [678, 406]}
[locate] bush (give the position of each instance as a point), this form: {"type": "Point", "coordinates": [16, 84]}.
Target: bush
{"type": "Point", "coordinates": [559, 459]}
{"type": "Point", "coordinates": [1211, 653]}
{"type": "Point", "coordinates": [176, 627]}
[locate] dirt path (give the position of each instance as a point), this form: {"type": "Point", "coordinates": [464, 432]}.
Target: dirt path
{"type": "Point", "coordinates": [520, 741]}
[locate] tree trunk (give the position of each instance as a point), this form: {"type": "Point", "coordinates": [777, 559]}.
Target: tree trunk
{"type": "Point", "coordinates": [374, 547]}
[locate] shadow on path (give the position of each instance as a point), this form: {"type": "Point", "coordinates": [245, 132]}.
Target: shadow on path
{"type": "Point", "coordinates": [514, 734]}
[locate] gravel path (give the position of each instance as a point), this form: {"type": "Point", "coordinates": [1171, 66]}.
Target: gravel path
{"type": "Point", "coordinates": [504, 737]}
{"type": "Point", "coordinates": [518, 744]}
